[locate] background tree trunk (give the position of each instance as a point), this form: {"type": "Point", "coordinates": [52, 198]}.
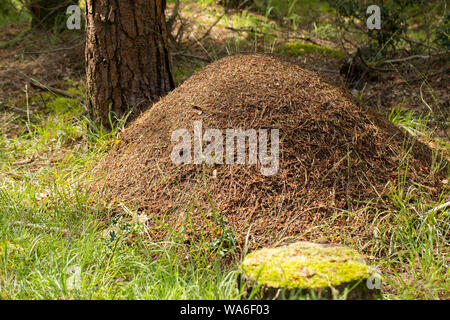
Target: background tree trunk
{"type": "Point", "coordinates": [127, 56]}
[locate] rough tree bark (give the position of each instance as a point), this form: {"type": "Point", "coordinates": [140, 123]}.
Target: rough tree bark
{"type": "Point", "coordinates": [127, 56]}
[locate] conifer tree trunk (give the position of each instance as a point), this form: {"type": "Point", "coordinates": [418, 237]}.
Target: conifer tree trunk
{"type": "Point", "coordinates": [127, 57]}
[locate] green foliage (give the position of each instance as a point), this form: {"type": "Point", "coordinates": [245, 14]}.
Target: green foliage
{"type": "Point", "coordinates": [325, 31]}
{"type": "Point", "coordinates": [397, 19]}
{"type": "Point", "coordinates": [49, 14]}
{"type": "Point", "coordinates": [10, 12]}
{"type": "Point", "coordinates": [6, 8]}
{"type": "Point", "coordinates": [443, 31]}
{"type": "Point", "coordinates": [287, 8]}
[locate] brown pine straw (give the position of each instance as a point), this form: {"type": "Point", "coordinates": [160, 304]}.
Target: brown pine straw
{"type": "Point", "coordinates": [334, 157]}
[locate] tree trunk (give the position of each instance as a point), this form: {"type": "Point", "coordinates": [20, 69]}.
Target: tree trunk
{"type": "Point", "coordinates": [127, 56]}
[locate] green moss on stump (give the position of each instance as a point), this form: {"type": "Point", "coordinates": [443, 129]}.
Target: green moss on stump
{"type": "Point", "coordinates": [296, 49]}
{"type": "Point", "coordinates": [305, 266]}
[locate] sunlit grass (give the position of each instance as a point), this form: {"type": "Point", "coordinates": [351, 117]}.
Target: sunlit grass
{"type": "Point", "coordinates": [57, 243]}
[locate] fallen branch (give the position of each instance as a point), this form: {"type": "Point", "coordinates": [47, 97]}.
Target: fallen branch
{"type": "Point", "coordinates": [411, 58]}
{"type": "Point", "coordinates": [56, 50]}
{"type": "Point", "coordinates": [21, 163]}
{"type": "Point", "coordinates": [212, 26]}
{"type": "Point", "coordinates": [54, 91]}
{"type": "Point", "coordinates": [364, 31]}
{"type": "Point", "coordinates": [416, 42]}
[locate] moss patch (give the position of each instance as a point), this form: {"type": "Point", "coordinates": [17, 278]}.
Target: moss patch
{"type": "Point", "coordinates": [300, 48]}
{"type": "Point", "coordinates": [305, 265]}
{"type": "Point", "coordinates": [63, 105]}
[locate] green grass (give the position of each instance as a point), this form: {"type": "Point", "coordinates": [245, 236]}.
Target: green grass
{"type": "Point", "coordinates": [294, 11]}
{"type": "Point", "coordinates": [12, 12]}
{"type": "Point", "coordinates": [419, 125]}
{"type": "Point", "coordinates": [411, 239]}
{"type": "Point", "coordinates": [85, 262]}
{"type": "Point", "coordinates": [416, 257]}
{"type": "Point", "coordinates": [57, 243]}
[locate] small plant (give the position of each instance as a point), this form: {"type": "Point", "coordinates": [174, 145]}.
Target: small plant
{"type": "Point", "coordinates": [442, 37]}
{"type": "Point", "coordinates": [325, 31]}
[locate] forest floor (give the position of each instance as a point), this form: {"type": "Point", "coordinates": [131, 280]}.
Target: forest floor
{"type": "Point", "coordinates": [55, 243]}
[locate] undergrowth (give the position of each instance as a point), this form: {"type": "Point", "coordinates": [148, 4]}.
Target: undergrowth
{"type": "Point", "coordinates": [56, 243]}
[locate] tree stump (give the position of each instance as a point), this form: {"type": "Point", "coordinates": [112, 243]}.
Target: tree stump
{"type": "Point", "coordinates": [309, 269]}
